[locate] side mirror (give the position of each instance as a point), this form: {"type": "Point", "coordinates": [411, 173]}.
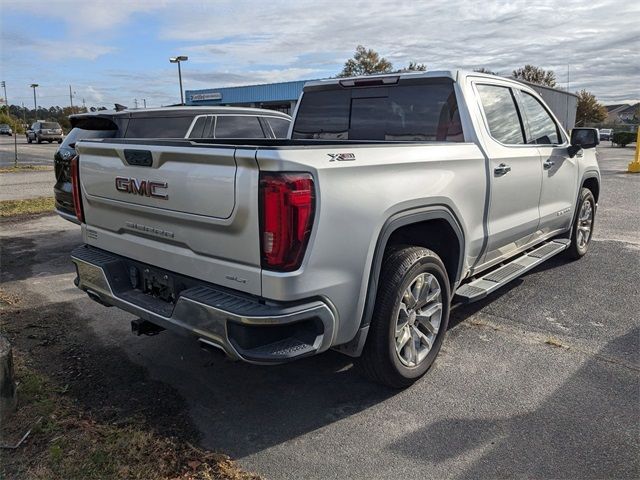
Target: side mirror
{"type": "Point", "coordinates": [583, 138]}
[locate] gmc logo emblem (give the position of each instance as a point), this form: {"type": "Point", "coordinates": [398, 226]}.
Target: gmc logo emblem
{"type": "Point", "coordinates": [145, 188]}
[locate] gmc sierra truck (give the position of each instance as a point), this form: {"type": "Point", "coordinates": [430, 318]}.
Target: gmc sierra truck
{"type": "Point", "coordinates": [393, 197]}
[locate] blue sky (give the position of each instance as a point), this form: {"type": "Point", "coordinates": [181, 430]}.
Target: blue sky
{"type": "Point", "coordinates": [117, 51]}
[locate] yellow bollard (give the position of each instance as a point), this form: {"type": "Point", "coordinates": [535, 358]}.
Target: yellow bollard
{"type": "Point", "coordinates": [634, 167]}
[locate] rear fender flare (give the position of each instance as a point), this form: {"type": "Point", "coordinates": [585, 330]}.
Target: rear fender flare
{"type": "Point", "coordinates": [395, 222]}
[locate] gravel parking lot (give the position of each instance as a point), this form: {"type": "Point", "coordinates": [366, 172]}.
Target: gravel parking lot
{"type": "Point", "coordinates": [540, 380]}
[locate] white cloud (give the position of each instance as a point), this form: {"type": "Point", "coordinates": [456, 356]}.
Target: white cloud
{"type": "Point", "coordinates": [87, 16]}
{"type": "Point", "coordinates": [93, 95]}
{"type": "Point", "coordinates": [236, 42]}
{"type": "Point", "coordinates": [597, 39]}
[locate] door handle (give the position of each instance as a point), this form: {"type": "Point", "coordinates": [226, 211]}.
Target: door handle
{"type": "Point", "coordinates": [502, 169]}
{"type": "Point", "coordinates": [548, 164]}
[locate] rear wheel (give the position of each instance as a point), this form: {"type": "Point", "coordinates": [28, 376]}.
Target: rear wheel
{"type": "Point", "coordinates": [582, 229]}
{"type": "Point", "coordinates": [410, 318]}
{"type": "Point", "coordinates": [29, 139]}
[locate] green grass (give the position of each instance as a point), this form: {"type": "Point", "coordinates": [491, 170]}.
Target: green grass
{"type": "Point", "coordinates": [10, 208]}
{"type": "Point", "coordinates": [26, 168]}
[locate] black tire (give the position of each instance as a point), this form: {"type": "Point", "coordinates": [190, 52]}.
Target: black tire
{"type": "Point", "coordinates": [578, 247]}
{"type": "Point", "coordinates": [50, 141]}
{"type": "Point", "coordinates": [59, 141]}
{"type": "Point", "coordinates": [29, 139]}
{"type": "Point", "coordinates": [380, 361]}
{"type": "Point", "coordinates": [38, 139]}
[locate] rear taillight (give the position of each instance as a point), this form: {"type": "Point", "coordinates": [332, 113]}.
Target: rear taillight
{"type": "Point", "coordinates": [75, 189]}
{"type": "Point", "coordinates": [287, 205]}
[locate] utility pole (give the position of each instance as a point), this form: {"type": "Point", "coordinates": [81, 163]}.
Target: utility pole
{"type": "Point", "coordinates": [15, 134]}
{"type": "Point", "coordinates": [135, 102]}
{"type": "Point", "coordinates": [71, 98]}
{"type": "Point", "coordinates": [567, 112]}
{"type": "Point", "coordinates": [145, 102]}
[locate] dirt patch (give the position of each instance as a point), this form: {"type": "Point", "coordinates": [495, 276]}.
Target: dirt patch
{"type": "Point", "coordinates": [102, 417]}
{"type": "Point", "coordinates": [8, 299]}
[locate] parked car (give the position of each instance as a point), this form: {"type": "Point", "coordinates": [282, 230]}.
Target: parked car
{"type": "Point", "coordinates": [395, 195]}
{"type": "Point", "coordinates": [606, 133]}
{"type": "Point", "coordinates": [169, 122]}
{"type": "Point", "coordinates": [42, 131]}
{"type": "Point", "coordinates": [5, 129]}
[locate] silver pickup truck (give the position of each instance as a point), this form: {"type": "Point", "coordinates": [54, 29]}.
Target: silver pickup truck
{"type": "Point", "coordinates": [394, 196]}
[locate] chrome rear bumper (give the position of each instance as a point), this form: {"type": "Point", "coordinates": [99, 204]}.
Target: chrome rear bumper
{"type": "Point", "coordinates": [245, 328]}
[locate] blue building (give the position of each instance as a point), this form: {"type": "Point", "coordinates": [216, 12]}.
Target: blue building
{"type": "Point", "coordinates": [275, 96]}
{"type": "Point", "coordinates": [284, 96]}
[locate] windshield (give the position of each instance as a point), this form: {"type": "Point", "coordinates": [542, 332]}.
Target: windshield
{"type": "Point", "coordinates": [50, 125]}
{"type": "Point", "coordinates": [418, 112]}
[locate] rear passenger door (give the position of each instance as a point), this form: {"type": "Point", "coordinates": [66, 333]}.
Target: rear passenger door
{"type": "Point", "coordinates": [514, 176]}
{"type": "Point", "coordinates": [559, 171]}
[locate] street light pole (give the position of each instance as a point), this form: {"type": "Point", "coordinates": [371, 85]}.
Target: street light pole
{"type": "Point", "coordinates": [178, 60]}
{"type": "Point", "coordinates": [15, 133]}
{"type": "Point", "coordinates": [4, 85]}
{"type": "Point", "coordinates": [35, 103]}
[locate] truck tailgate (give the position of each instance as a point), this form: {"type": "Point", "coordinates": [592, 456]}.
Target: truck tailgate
{"type": "Point", "coordinates": [189, 209]}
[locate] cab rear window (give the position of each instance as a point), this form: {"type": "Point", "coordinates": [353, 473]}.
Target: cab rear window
{"type": "Point", "coordinates": [417, 113]}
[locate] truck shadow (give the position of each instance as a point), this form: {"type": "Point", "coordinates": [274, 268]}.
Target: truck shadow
{"type": "Point", "coordinates": [585, 429]}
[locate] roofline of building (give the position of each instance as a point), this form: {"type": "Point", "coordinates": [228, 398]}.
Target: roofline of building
{"type": "Point", "coordinates": [182, 108]}
{"type": "Point", "coordinates": [453, 74]}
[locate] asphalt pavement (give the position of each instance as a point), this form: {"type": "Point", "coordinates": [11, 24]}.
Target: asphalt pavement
{"type": "Point", "coordinates": [26, 184]}
{"type": "Point", "coordinates": [540, 380]}
{"type": "Point", "coordinates": [28, 153]}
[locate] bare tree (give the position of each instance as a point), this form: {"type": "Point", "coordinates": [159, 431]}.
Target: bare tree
{"type": "Point", "coordinates": [414, 67]}
{"type": "Point", "coordinates": [533, 74]}
{"type": "Point", "coordinates": [485, 70]}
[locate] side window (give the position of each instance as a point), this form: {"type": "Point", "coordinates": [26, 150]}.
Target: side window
{"type": "Point", "coordinates": [203, 127]}
{"type": "Point", "coordinates": [280, 126]}
{"type": "Point", "coordinates": [241, 126]}
{"type": "Point", "coordinates": [542, 129]}
{"type": "Point", "coordinates": [34, 126]}
{"type": "Point", "coordinates": [158, 127]}
{"type": "Point", "coordinates": [502, 114]}
{"type": "Point", "coordinates": [198, 128]}
{"type": "Point", "coordinates": [209, 126]}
